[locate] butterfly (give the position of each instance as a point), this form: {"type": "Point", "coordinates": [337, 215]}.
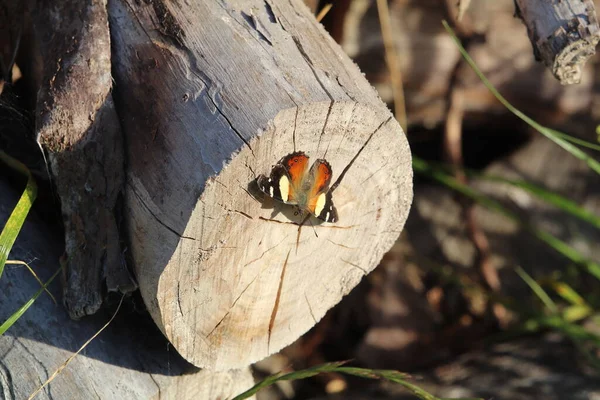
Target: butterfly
{"type": "Point", "coordinates": [291, 182]}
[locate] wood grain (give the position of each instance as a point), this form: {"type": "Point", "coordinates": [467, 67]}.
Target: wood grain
{"type": "Point", "coordinates": [211, 95]}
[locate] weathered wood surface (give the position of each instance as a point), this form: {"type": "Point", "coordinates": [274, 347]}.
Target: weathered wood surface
{"type": "Point", "coordinates": [129, 360]}
{"type": "Point", "coordinates": [66, 56]}
{"type": "Point", "coordinates": [211, 95]}
{"type": "Point", "coordinates": [563, 33]}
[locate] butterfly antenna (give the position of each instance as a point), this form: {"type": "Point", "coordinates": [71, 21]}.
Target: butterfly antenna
{"type": "Point", "coordinates": [311, 224]}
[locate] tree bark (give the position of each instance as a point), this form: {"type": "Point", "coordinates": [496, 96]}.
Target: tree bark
{"type": "Point", "coordinates": [563, 33]}
{"type": "Point", "coordinates": [67, 49]}
{"type": "Point", "coordinates": [130, 359]}
{"type": "Point", "coordinates": [212, 94]}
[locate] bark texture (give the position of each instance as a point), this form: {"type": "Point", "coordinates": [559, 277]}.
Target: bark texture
{"type": "Point", "coordinates": [563, 33]}
{"type": "Point", "coordinates": [68, 46]}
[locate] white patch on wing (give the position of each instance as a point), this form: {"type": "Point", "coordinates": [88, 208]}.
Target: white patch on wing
{"type": "Point", "coordinates": [271, 190]}
{"type": "Point", "coordinates": [320, 204]}
{"type": "Point", "coordinates": [327, 216]}
{"type": "Point", "coordinates": [284, 187]}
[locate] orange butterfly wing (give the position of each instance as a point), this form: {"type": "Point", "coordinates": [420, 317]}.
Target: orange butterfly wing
{"type": "Point", "coordinates": [321, 173]}
{"type": "Point", "coordinates": [295, 165]}
{"type": "Point", "coordinates": [319, 199]}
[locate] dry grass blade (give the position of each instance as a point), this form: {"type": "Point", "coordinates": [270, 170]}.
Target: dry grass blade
{"type": "Point", "coordinates": [64, 365]}
{"type": "Point", "coordinates": [18, 262]}
{"type": "Point", "coordinates": [324, 12]}
{"type": "Point", "coordinates": [391, 57]}
{"type": "Point", "coordinates": [463, 6]}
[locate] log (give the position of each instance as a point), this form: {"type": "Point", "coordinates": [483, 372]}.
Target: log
{"type": "Point", "coordinates": [66, 56]}
{"type": "Point", "coordinates": [130, 359]}
{"type": "Point", "coordinates": [211, 95]}
{"type": "Point", "coordinates": [563, 33]}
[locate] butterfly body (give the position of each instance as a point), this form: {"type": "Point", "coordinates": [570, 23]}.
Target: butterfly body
{"type": "Point", "coordinates": [292, 182]}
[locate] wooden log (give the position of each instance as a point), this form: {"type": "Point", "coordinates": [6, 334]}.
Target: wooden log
{"type": "Point", "coordinates": [563, 33]}
{"type": "Point", "coordinates": [66, 56]}
{"type": "Point", "coordinates": [213, 94]}
{"type": "Point", "coordinates": [130, 359]}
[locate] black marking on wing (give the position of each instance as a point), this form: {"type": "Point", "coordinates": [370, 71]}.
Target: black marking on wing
{"type": "Point", "coordinates": [328, 208]}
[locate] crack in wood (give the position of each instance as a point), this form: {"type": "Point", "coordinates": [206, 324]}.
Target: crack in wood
{"type": "Point", "coordinates": [207, 82]}
{"type": "Point", "coordinates": [41, 364]}
{"type": "Point", "coordinates": [250, 168]}
{"type": "Point", "coordinates": [277, 299]}
{"type": "Point", "coordinates": [245, 289]}
{"type": "Point", "coordinates": [294, 132]}
{"type": "Point", "coordinates": [157, 385]}
{"type": "Point", "coordinates": [278, 221]}
{"type": "Point", "coordinates": [229, 210]}
{"type": "Point", "coordinates": [173, 231]}
{"type": "Point", "coordinates": [312, 67]}
{"type": "Point", "coordinates": [179, 296]}
{"type": "Point", "coordinates": [270, 13]}
{"type": "Point", "coordinates": [355, 266]}
{"type": "Point", "coordinates": [324, 126]}
{"type": "Point", "coordinates": [254, 23]}
{"type": "Point", "coordinates": [225, 186]}
{"type": "Point", "coordinates": [249, 194]}
{"type": "Point", "coordinates": [265, 252]}
{"type": "Point", "coordinates": [171, 27]}
{"type": "Point", "coordinates": [310, 310]}
{"type": "Point", "coordinates": [8, 379]}
{"type": "Point", "coordinates": [243, 213]}
{"type": "Point", "coordinates": [341, 245]}
{"type": "Point", "coordinates": [315, 226]}
{"type": "Point", "coordinates": [339, 179]}
{"type": "Point", "coordinates": [379, 169]}
{"type": "Point", "coordinates": [337, 79]}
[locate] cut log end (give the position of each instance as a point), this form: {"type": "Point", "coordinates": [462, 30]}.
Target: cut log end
{"type": "Point", "coordinates": [564, 34]}
{"type": "Point", "coordinates": [569, 63]}
{"type": "Point", "coordinates": [245, 279]}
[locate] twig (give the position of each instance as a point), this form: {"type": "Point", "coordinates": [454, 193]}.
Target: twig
{"type": "Point", "coordinates": [324, 12]}
{"type": "Point", "coordinates": [392, 62]}
{"type": "Point", "coordinates": [454, 154]}
{"type": "Point", "coordinates": [64, 365]}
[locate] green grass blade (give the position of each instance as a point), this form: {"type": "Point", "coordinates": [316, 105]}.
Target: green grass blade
{"type": "Point", "coordinates": [306, 373]}
{"type": "Point", "coordinates": [581, 142]}
{"type": "Point", "coordinates": [17, 217]}
{"type": "Point", "coordinates": [390, 375]}
{"type": "Point", "coordinates": [13, 318]}
{"type": "Point", "coordinates": [577, 313]}
{"type": "Point", "coordinates": [549, 133]}
{"type": "Point", "coordinates": [537, 289]}
{"type": "Point", "coordinates": [558, 245]}
{"type": "Point", "coordinates": [568, 293]}
{"type": "Point", "coordinates": [548, 196]}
